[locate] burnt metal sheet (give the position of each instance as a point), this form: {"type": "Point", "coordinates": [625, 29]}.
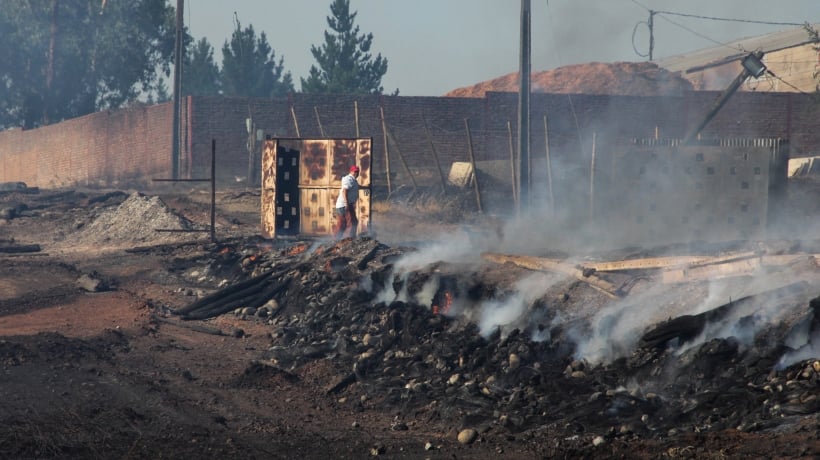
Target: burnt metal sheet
{"type": "Point", "coordinates": [268, 194]}
{"type": "Point", "coordinates": [314, 171]}
{"type": "Point", "coordinates": [364, 157]}
{"type": "Point", "coordinates": [315, 211]}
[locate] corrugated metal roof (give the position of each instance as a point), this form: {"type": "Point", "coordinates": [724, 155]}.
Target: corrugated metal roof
{"type": "Point", "coordinates": [710, 57]}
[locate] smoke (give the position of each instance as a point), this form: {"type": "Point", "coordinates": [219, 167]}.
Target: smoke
{"type": "Point", "coordinates": [513, 312]}
{"type": "Point", "coordinates": [453, 248]}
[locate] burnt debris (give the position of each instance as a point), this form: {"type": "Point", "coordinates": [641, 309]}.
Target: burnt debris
{"type": "Point", "coordinates": [406, 341]}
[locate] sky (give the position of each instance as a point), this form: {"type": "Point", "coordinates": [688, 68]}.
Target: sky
{"type": "Point", "coordinates": [435, 46]}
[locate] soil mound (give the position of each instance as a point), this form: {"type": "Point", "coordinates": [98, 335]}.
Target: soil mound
{"type": "Point", "coordinates": [617, 78]}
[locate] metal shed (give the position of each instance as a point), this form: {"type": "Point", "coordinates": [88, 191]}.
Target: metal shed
{"type": "Point", "coordinates": [301, 179]}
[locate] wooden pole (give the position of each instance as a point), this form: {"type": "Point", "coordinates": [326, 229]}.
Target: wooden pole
{"type": "Point", "coordinates": [319, 121]}
{"type": "Point", "coordinates": [386, 151]}
{"type": "Point", "coordinates": [401, 157]}
{"type": "Point", "coordinates": [213, 190]}
{"type": "Point", "coordinates": [549, 165]}
{"type": "Point", "coordinates": [356, 116]}
{"type": "Point", "coordinates": [472, 163]}
{"type": "Point", "coordinates": [525, 66]}
{"type": "Point", "coordinates": [295, 123]}
{"type": "Point", "coordinates": [178, 57]}
{"type": "Point", "coordinates": [512, 165]}
{"type": "Point", "coordinates": [435, 154]}
{"type": "Point", "coordinates": [592, 182]}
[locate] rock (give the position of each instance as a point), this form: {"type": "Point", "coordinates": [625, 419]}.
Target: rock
{"type": "Point", "coordinates": [90, 283]}
{"type": "Point", "coordinates": [271, 305]}
{"type": "Point", "coordinates": [467, 436]}
{"type": "Point", "coordinates": [598, 440]}
{"type": "Point", "coordinates": [515, 361]}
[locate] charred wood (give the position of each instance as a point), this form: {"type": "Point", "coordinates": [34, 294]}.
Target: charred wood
{"type": "Point", "coordinates": [252, 300]}
{"type": "Point", "coordinates": [19, 248]}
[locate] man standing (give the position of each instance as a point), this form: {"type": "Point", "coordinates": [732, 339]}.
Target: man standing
{"type": "Point", "coordinates": [346, 220]}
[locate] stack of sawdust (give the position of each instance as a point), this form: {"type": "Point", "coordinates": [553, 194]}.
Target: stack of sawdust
{"type": "Point", "coordinates": [134, 223]}
{"type": "Point", "coordinates": [615, 78]}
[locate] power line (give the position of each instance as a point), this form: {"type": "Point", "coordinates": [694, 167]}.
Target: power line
{"type": "Point", "coordinates": [702, 36]}
{"type": "Point", "coordinates": [711, 18]}
{"type": "Point", "coordinates": [665, 15]}
{"type": "Point", "coordinates": [785, 82]}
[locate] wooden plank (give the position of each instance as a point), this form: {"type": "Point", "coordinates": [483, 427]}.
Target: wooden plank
{"type": "Point", "coordinates": [650, 263]}
{"type": "Point", "coordinates": [731, 268]}
{"type": "Point", "coordinates": [556, 266]}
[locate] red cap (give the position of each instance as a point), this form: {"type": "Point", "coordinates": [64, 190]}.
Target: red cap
{"type": "Point", "coordinates": [354, 168]}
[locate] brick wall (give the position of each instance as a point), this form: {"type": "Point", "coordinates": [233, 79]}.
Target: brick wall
{"type": "Point", "coordinates": [134, 145]}
{"type": "Point", "coordinates": [120, 148]}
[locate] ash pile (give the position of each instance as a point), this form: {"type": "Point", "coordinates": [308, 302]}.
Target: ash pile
{"type": "Point", "coordinates": [515, 353]}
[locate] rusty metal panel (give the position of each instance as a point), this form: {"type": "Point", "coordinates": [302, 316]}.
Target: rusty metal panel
{"type": "Point", "coordinates": [346, 153]}
{"type": "Point", "coordinates": [364, 158]}
{"type": "Point", "coordinates": [363, 210]}
{"type": "Point", "coordinates": [316, 211]}
{"type": "Point", "coordinates": [342, 157]}
{"type": "Point", "coordinates": [268, 195]}
{"type": "Point", "coordinates": [314, 162]}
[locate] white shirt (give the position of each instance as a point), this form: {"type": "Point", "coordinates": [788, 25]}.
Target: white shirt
{"type": "Point", "coordinates": [350, 187]}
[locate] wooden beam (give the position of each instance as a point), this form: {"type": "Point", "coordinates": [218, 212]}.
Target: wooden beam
{"type": "Point", "coordinates": [735, 267]}
{"type": "Point", "coordinates": [556, 266]}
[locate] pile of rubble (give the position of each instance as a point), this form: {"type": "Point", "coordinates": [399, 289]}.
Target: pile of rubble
{"type": "Point", "coordinates": [475, 347]}
{"type": "Point", "coordinates": [138, 220]}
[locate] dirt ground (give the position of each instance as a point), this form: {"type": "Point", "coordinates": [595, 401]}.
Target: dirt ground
{"type": "Point", "coordinates": [110, 374]}
{"type": "Point", "coordinates": [97, 375]}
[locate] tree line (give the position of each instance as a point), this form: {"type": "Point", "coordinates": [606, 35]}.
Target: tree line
{"type": "Point", "coordinates": [67, 58]}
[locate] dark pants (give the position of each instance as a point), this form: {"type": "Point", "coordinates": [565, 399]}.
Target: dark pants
{"type": "Point", "coordinates": [346, 223]}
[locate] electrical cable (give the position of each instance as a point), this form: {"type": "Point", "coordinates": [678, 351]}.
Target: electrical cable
{"type": "Point", "coordinates": [701, 35]}
{"type": "Point", "coordinates": [786, 83]}
{"type": "Point", "coordinates": [635, 30]}
{"type": "Point", "coordinates": [713, 18]}
{"type": "Point", "coordinates": [748, 21]}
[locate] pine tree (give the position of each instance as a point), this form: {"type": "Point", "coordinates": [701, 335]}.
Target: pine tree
{"type": "Point", "coordinates": [249, 67]}
{"type": "Point", "coordinates": [200, 74]}
{"type": "Point", "coordinates": [345, 65]}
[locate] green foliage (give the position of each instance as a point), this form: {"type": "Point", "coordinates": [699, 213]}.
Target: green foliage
{"type": "Point", "coordinates": [66, 58]}
{"type": "Point", "coordinates": [345, 65]}
{"type": "Point", "coordinates": [250, 69]}
{"type": "Point", "coordinates": [200, 74]}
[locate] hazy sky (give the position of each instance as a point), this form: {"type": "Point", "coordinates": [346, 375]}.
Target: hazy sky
{"type": "Point", "coordinates": [434, 46]}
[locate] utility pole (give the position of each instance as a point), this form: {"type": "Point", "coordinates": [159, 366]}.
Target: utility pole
{"type": "Point", "coordinates": [177, 90]}
{"type": "Point", "coordinates": [524, 110]}
{"type": "Point", "coordinates": [651, 33]}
